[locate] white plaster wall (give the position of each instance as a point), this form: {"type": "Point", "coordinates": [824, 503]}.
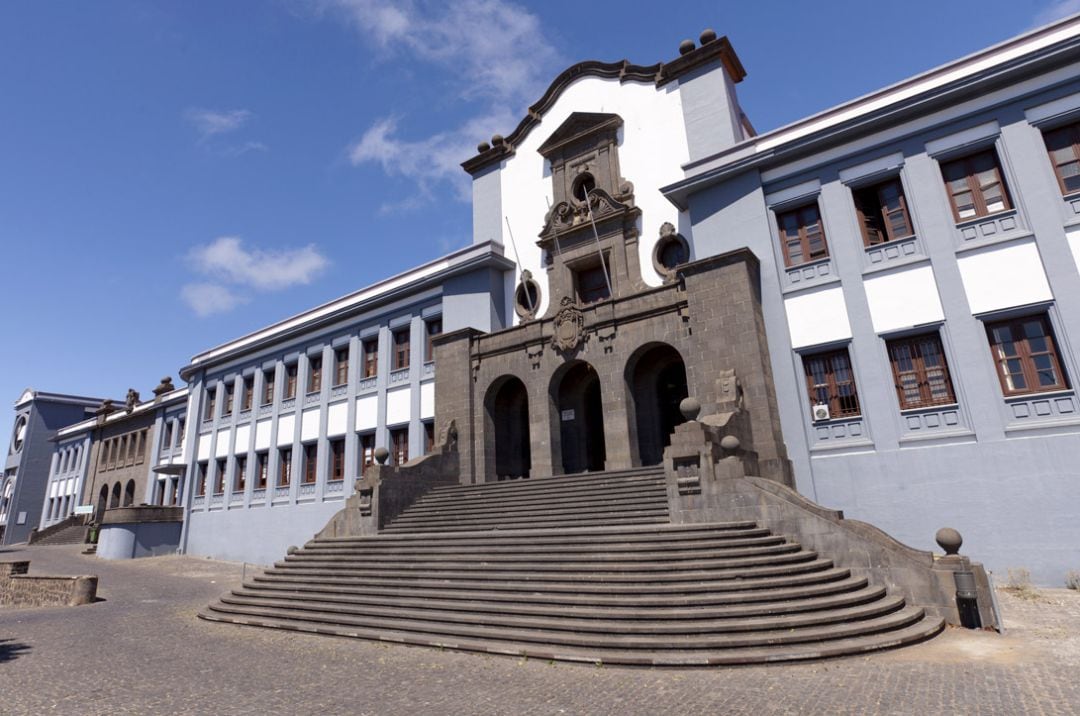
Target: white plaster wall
{"type": "Point", "coordinates": [652, 150]}
{"type": "Point", "coordinates": [204, 448]}
{"type": "Point", "coordinates": [309, 427]}
{"type": "Point", "coordinates": [243, 437]}
{"type": "Point", "coordinates": [1072, 235]}
{"type": "Point", "coordinates": [427, 400]}
{"type": "Point", "coordinates": [367, 412]}
{"type": "Point", "coordinates": [262, 435]}
{"type": "Point", "coordinates": [817, 317]}
{"type": "Point", "coordinates": [1004, 277]}
{"type": "Point", "coordinates": [397, 406]}
{"type": "Point", "coordinates": [337, 419]}
{"type": "Point", "coordinates": [285, 427]}
{"type": "Point", "coordinates": [221, 447]}
{"type": "Point", "coordinates": [903, 299]}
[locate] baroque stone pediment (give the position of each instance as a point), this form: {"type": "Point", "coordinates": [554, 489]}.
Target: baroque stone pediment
{"type": "Point", "coordinates": [577, 126]}
{"type": "Point", "coordinates": [567, 216]}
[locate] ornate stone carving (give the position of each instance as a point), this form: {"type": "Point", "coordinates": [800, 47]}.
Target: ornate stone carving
{"type": "Point", "coordinates": [449, 437]}
{"type": "Point", "coordinates": [165, 386]}
{"type": "Point", "coordinates": [569, 326]}
{"type": "Point", "coordinates": [567, 215]}
{"type": "Point", "coordinates": [131, 400]}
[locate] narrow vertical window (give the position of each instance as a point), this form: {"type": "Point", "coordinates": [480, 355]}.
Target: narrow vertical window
{"type": "Point", "coordinates": [290, 381]}
{"type": "Point", "coordinates": [337, 459]}
{"type": "Point", "coordinates": [311, 462]}
{"type": "Point", "coordinates": [371, 358]}
{"type": "Point", "coordinates": [1063, 144]}
{"type": "Point", "coordinates": [975, 186]}
{"type": "Point", "coordinates": [883, 214]}
{"type": "Point", "coordinates": [802, 235]}
{"type": "Point", "coordinates": [166, 438]}
{"type": "Point", "coordinates": [429, 437]}
{"type": "Point", "coordinates": [367, 452]}
{"type": "Point", "coordinates": [314, 375]}
{"type": "Point", "coordinates": [268, 387]}
{"type": "Point", "coordinates": [831, 382]}
{"type": "Point", "coordinates": [1026, 356]}
{"type": "Point", "coordinates": [227, 406]}
{"type": "Point", "coordinates": [399, 445]}
{"type": "Point", "coordinates": [341, 367]}
{"type": "Point", "coordinates": [261, 467]}
{"type": "Point", "coordinates": [200, 479]}
{"type": "Point", "coordinates": [284, 467]}
{"type": "Point", "coordinates": [211, 403]}
{"type": "Point", "coordinates": [241, 474]}
{"type": "Point", "coordinates": [219, 478]}
{"type": "Point", "coordinates": [401, 350]}
{"type": "Point", "coordinates": [920, 372]}
{"type": "Point", "coordinates": [432, 328]}
{"type": "Point", "coordinates": [248, 396]}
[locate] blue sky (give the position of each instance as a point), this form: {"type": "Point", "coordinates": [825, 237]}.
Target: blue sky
{"type": "Point", "coordinates": [173, 175]}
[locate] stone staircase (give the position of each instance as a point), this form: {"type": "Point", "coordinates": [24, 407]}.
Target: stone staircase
{"type": "Point", "coordinates": [72, 530]}
{"type": "Point", "coordinates": [579, 568]}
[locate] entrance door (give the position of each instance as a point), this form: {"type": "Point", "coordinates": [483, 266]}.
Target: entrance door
{"type": "Point", "coordinates": [509, 412]}
{"type": "Point", "coordinates": [658, 385]}
{"type": "Point", "coordinates": [581, 420]}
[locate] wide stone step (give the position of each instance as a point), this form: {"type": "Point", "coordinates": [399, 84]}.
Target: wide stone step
{"type": "Point", "coordinates": [583, 512]}
{"type": "Point", "coordinates": [581, 625]}
{"type": "Point", "coordinates": [838, 646]}
{"type": "Point", "coordinates": [569, 519]}
{"type": "Point", "coordinates": [897, 619]}
{"type": "Point", "coordinates": [619, 497]}
{"type": "Point", "coordinates": [789, 589]}
{"type": "Point", "coordinates": [846, 593]}
{"type": "Point", "coordinates": [583, 559]}
{"type": "Point", "coordinates": [642, 486]}
{"type": "Point", "coordinates": [559, 482]}
{"type": "Point", "coordinates": [793, 576]}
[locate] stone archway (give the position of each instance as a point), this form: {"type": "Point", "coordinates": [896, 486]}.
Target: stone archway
{"type": "Point", "coordinates": [129, 493]}
{"type": "Point", "coordinates": [579, 412]}
{"type": "Point", "coordinates": [116, 490]}
{"type": "Point", "coordinates": [656, 383]}
{"type": "Point", "coordinates": [507, 407]}
{"type": "Point", "coordinates": [103, 502]}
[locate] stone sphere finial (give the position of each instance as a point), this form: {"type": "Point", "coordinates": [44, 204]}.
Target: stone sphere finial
{"type": "Point", "coordinates": [293, 549]}
{"type": "Point", "coordinates": [707, 36]}
{"type": "Point", "coordinates": [381, 455]}
{"type": "Point", "coordinates": [690, 408]}
{"type": "Point", "coordinates": [497, 140]}
{"type": "Point", "coordinates": [482, 147]}
{"type": "Point", "coordinates": [730, 443]}
{"type": "Point", "coordinates": [949, 540]}
{"type": "Point", "coordinates": [686, 46]}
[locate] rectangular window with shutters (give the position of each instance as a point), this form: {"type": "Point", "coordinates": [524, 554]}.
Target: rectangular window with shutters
{"type": "Point", "coordinates": [401, 350]}
{"type": "Point", "coordinates": [883, 214]}
{"type": "Point", "coordinates": [166, 438]}
{"type": "Point", "coordinates": [802, 235]}
{"type": "Point", "coordinates": [367, 452]}
{"type": "Point", "coordinates": [591, 282]}
{"type": "Point", "coordinates": [975, 186]}
{"type": "Point", "coordinates": [371, 358]}
{"type": "Point", "coordinates": [831, 381]}
{"type": "Point", "coordinates": [290, 381]}
{"type": "Point", "coordinates": [1063, 144]}
{"type": "Point", "coordinates": [337, 459]}
{"type": "Point", "coordinates": [314, 384]}
{"type": "Point", "coordinates": [219, 477]}
{"type": "Point", "coordinates": [284, 467]}
{"type": "Point", "coordinates": [262, 460]}
{"type": "Point", "coordinates": [311, 463]}
{"type": "Point", "coordinates": [920, 372]}
{"type": "Point", "coordinates": [268, 387]}
{"type": "Point", "coordinates": [399, 446]}
{"type": "Point", "coordinates": [211, 403]}
{"type": "Point", "coordinates": [432, 328]}
{"type": "Point", "coordinates": [248, 396]}
{"type": "Point", "coordinates": [200, 479]}
{"type": "Point", "coordinates": [226, 408]}
{"type": "Point", "coordinates": [240, 481]}
{"type": "Point", "coordinates": [1026, 356]}
{"type": "Point", "coordinates": [341, 367]}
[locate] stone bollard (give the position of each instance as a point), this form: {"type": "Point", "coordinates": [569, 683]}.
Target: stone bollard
{"type": "Point", "coordinates": [967, 593]}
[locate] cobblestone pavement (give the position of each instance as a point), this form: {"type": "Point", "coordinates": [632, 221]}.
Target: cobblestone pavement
{"type": "Point", "coordinates": [142, 650]}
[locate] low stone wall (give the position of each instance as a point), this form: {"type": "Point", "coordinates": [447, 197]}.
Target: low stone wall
{"type": "Point", "coordinates": [19, 589]}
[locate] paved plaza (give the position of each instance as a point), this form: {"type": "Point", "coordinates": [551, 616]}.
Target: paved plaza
{"type": "Point", "coordinates": [142, 650]}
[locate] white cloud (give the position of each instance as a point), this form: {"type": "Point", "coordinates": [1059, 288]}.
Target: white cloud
{"type": "Point", "coordinates": [209, 122]}
{"type": "Point", "coordinates": [1055, 11]}
{"type": "Point", "coordinates": [493, 50]}
{"type": "Point", "coordinates": [232, 269]}
{"type": "Point", "coordinates": [207, 299]}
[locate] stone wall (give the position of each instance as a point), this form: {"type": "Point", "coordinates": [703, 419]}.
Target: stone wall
{"type": "Point", "coordinates": [19, 589]}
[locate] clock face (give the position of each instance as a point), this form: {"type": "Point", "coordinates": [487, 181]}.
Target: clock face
{"type": "Point", "coordinates": [20, 434]}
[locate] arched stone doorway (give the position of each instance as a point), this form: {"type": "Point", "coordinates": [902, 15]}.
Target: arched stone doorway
{"type": "Point", "coordinates": [129, 493]}
{"type": "Point", "coordinates": [579, 412]}
{"type": "Point", "coordinates": [656, 380]}
{"type": "Point", "coordinates": [508, 422]}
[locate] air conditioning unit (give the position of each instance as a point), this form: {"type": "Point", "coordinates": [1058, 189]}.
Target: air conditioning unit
{"type": "Point", "coordinates": [821, 412]}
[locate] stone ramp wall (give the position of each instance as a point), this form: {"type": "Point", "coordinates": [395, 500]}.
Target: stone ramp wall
{"type": "Point", "coordinates": [20, 589]}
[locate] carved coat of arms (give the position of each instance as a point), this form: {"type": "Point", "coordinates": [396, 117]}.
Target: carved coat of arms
{"type": "Point", "coordinates": [569, 326]}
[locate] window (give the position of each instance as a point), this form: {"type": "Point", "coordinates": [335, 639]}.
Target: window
{"type": "Point", "coordinates": [226, 408]}
{"type": "Point", "coordinates": [166, 439]}
{"type": "Point", "coordinates": [802, 235]}
{"type": "Point", "coordinates": [211, 403]}
{"type": "Point", "coordinates": [285, 467]}
{"type": "Point", "coordinates": [975, 185]}
{"type": "Point", "coordinates": [200, 479]}
{"type": "Point", "coordinates": [883, 214]}
{"type": "Point", "coordinates": [591, 284]}
{"type": "Point", "coordinates": [311, 463]}
{"type": "Point", "coordinates": [290, 381]}
{"type": "Point", "coordinates": [261, 468]}
{"type": "Point", "coordinates": [1026, 356]}
{"type": "Point", "coordinates": [920, 372]}
{"type": "Point", "coordinates": [399, 445]}
{"type": "Point", "coordinates": [401, 350]}
{"type": "Point", "coordinates": [831, 382]}
{"type": "Point", "coordinates": [314, 383]}
{"type": "Point", "coordinates": [268, 387]}
{"type": "Point", "coordinates": [371, 358]}
{"type": "Point", "coordinates": [120, 454]}
{"type": "Point", "coordinates": [431, 329]}
{"type": "Point", "coordinates": [367, 452]}
{"type": "Point", "coordinates": [248, 396]}
{"type": "Point", "coordinates": [219, 478]}
{"type": "Point", "coordinates": [180, 426]}
{"type": "Point", "coordinates": [1063, 144]}
{"type": "Point", "coordinates": [337, 459]}
{"type": "Point", "coordinates": [341, 366]}
{"type": "Point", "coordinates": [429, 438]}
{"type": "Point", "coordinates": [241, 474]}
{"type": "Point", "coordinates": [140, 450]}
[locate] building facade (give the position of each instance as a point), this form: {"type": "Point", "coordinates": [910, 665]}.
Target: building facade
{"type": "Point", "coordinates": [24, 485]}
{"type": "Point", "coordinates": [289, 416]}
